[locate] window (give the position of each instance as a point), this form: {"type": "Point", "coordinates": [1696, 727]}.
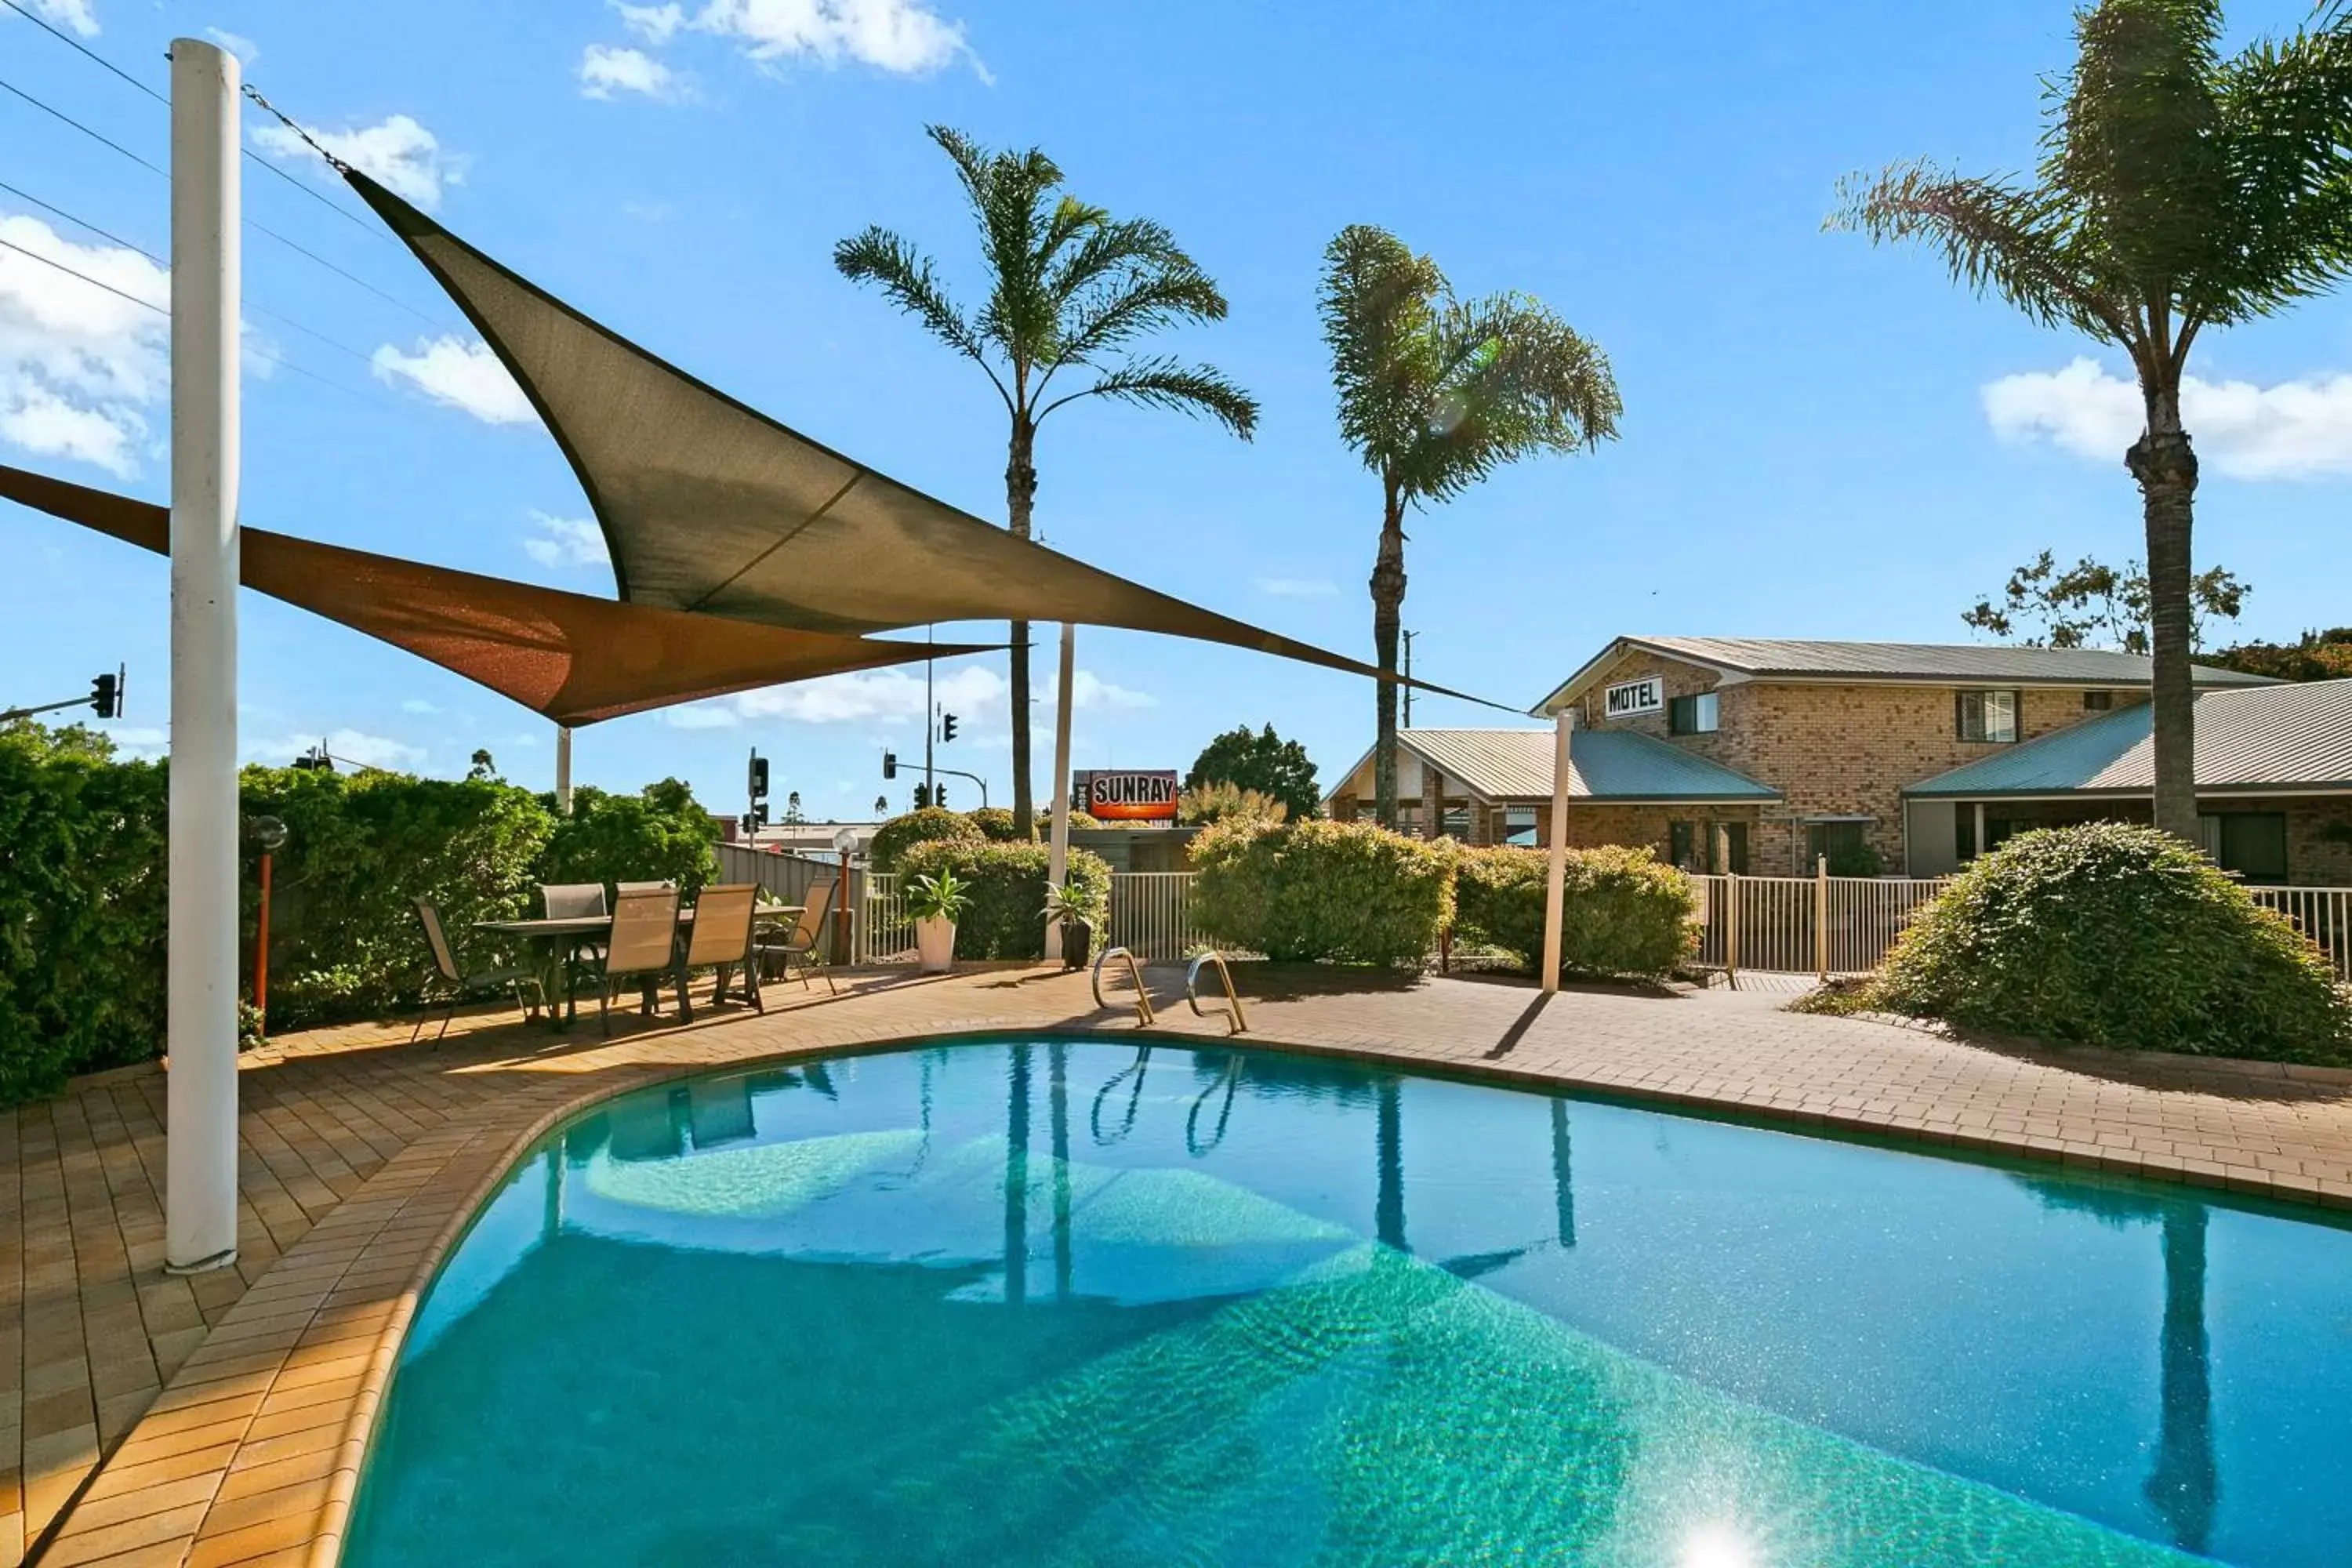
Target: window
{"type": "Point", "coordinates": [1682, 840]}
{"type": "Point", "coordinates": [2251, 843]}
{"type": "Point", "coordinates": [1849, 851]}
{"type": "Point", "coordinates": [1736, 838]}
{"type": "Point", "coordinates": [1692, 715]}
{"type": "Point", "coordinates": [1520, 825]}
{"type": "Point", "coordinates": [2097, 701]}
{"type": "Point", "coordinates": [1986, 715]}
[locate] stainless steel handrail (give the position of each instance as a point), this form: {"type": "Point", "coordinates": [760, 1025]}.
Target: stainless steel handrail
{"type": "Point", "coordinates": [1135, 972]}
{"type": "Point", "coordinates": [1236, 1021]}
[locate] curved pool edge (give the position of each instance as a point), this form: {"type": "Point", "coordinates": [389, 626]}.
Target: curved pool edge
{"type": "Point", "coordinates": [376, 1253]}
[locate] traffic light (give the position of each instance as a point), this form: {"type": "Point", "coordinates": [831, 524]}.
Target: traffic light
{"type": "Point", "coordinates": [758, 816]}
{"type": "Point", "coordinates": [759, 778]}
{"type": "Point", "coordinates": [946, 727]}
{"type": "Point", "coordinates": [922, 796]}
{"type": "Point", "coordinates": [940, 795]}
{"type": "Point", "coordinates": [106, 695]}
{"type": "Point", "coordinates": [889, 764]}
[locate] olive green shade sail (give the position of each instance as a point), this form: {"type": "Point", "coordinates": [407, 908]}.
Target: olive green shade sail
{"type": "Point", "coordinates": [708, 505]}
{"type": "Point", "coordinates": [575, 658]}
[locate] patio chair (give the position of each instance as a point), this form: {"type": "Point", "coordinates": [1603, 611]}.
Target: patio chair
{"type": "Point", "coordinates": [642, 888]}
{"type": "Point", "coordinates": [449, 984]}
{"type": "Point", "coordinates": [573, 901]}
{"type": "Point", "coordinates": [644, 947]}
{"type": "Point", "coordinates": [721, 939]}
{"type": "Point", "coordinates": [803, 949]}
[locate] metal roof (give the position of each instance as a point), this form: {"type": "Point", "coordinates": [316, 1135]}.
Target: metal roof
{"type": "Point", "coordinates": [1603, 764]}
{"type": "Point", "coordinates": [2276, 738]}
{"type": "Point", "coordinates": [1810, 659]}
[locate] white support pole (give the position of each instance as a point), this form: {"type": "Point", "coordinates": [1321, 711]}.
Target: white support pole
{"type": "Point", "coordinates": [1556, 879]}
{"type": "Point", "coordinates": [1057, 853]}
{"type": "Point", "coordinates": [563, 770]}
{"type": "Point", "coordinates": [200, 1149]}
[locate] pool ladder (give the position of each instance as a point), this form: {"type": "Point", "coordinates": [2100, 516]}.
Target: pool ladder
{"type": "Point", "coordinates": [1237, 1022]}
{"type": "Point", "coordinates": [1134, 972]}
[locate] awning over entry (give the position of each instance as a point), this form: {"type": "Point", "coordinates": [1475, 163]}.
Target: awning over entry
{"type": "Point", "coordinates": [577, 659]}
{"type": "Point", "coordinates": [710, 506]}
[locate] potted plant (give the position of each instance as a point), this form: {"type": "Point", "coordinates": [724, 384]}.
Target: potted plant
{"type": "Point", "coordinates": [1080, 912]}
{"type": "Point", "coordinates": [936, 902]}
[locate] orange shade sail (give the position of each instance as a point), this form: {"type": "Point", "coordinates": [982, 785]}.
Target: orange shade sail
{"type": "Point", "coordinates": [575, 659]}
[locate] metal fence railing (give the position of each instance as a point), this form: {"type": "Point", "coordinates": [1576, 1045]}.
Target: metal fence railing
{"type": "Point", "coordinates": [1151, 914]}
{"type": "Point", "coordinates": [886, 933]}
{"type": "Point", "coordinates": [2322, 914]}
{"type": "Point", "coordinates": [1807, 925]}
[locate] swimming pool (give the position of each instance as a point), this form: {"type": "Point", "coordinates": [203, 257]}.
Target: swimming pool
{"type": "Point", "coordinates": [1065, 1301]}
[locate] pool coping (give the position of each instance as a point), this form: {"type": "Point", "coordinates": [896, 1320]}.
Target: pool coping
{"type": "Point", "coordinates": [317, 1339]}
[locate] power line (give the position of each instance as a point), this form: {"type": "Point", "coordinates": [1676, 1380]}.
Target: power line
{"type": "Point", "coordinates": [160, 310]}
{"type": "Point", "coordinates": [103, 63]}
{"type": "Point", "coordinates": [88, 53]}
{"type": "Point", "coordinates": [112, 238]}
{"type": "Point", "coordinates": [300, 249]}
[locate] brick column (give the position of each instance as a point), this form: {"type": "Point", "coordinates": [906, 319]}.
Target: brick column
{"type": "Point", "coordinates": [1433, 802]}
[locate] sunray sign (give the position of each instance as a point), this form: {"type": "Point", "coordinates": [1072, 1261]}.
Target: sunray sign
{"type": "Point", "coordinates": [1632, 699]}
{"type": "Point", "coordinates": [1127, 795]}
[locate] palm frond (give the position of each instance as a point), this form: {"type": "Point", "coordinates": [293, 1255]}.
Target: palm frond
{"type": "Point", "coordinates": [908, 281]}
{"type": "Point", "coordinates": [1379, 304]}
{"type": "Point", "coordinates": [2285, 129]}
{"type": "Point", "coordinates": [1134, 304]}
{"type": "Point", "coordinates": [2020, 244]}
{"type": "Point", "coordinates": [1166, 384]}
{"type": "Point", "coordinates": [1515, 380]}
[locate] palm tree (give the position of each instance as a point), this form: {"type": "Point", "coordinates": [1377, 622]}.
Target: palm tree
{"type": "Point", "coordinates": [1436, 393]}
{"type": "Point", "coordinates": [1069, 288]}
{"type": "Point", "coordinates": [2177, 190]}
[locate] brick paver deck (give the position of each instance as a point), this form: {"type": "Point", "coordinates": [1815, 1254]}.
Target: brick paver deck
{"type": "Point", "coordinates": [232, 1408]}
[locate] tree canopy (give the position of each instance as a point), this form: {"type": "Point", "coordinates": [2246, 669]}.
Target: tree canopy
{"type": "Point", "coordinates": [2092, 605]}
{"type": "Point", "coordinates": [1260, 760]}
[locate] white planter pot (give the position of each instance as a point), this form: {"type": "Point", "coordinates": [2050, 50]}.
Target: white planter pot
{"type": "Point", "coordinates": [935, 945]}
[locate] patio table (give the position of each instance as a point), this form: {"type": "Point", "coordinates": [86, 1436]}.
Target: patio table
{"type": "Point", "coordinates": [567, 935]}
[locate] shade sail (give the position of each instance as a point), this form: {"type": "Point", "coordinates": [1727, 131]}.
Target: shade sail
{"type": "Point", "coordinates": [708, 505]}
{"type": "Point", "coordinates": [575, 659]}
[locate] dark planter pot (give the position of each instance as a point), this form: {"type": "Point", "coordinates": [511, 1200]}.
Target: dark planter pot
{"type": "Point", "coordinates": [1076, 941]}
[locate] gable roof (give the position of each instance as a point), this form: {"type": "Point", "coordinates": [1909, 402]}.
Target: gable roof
{"type": "Point", "coordinates": [1814, 659]}
{"type": "Point", "coordinates": [1612, 765]}
{"type": "Point", "coordinates": [2275, 739]}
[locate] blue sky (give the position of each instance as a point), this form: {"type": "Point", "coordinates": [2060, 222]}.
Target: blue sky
{"type": "Point", "coordinates": [1821, 438]}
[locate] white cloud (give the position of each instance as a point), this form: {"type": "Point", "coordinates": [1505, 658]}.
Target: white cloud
{"type": "Point", "coordinates": [77, 364]}
{"type": "Point", "coordinates": [246, 50]}
{"type": "Point", "coordinates": [1298, 588]}
{"type": "Point", "coordinates": [654, 24]}
{"type": "Point", "coordinates": [78, 14]}
{"type": "Point", "coordinates": [397, 152]}
{"type": "Point", "coordinates": [141, 742]}
{"type": "Point", "coordinates": [900, 36]}
{"type": "Point", "coordinates": [1088, 690]}
{"type": "Point", "coordinates": [464, 375]}
{"type": "Point", "coordinates": [701, 716]}
{"type": "Point", "coordinates": [606, 70]}
{"type": "Point", "coordinates": [875, 696]}
{"type": "Point", "coordinates": [566, 542]}
{"type": "Point", "coordinates": [418, 705]}
{"type": "Point", "coordinates": [344, 746]}
{"type": "Point", "coordinates": [2294, 429]}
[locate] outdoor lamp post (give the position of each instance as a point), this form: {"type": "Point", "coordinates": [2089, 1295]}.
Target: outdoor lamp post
{"type": "Point", "coordinates": [270, 833]}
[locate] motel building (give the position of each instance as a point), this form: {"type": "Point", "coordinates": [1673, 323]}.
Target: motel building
{"type": "Point", "coordinates": [1758, 756]}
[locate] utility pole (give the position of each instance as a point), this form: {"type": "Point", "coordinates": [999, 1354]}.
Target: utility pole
{"type": "Point", "coordinates": [1408, 678]}
{"type": "Point", "coordinates": [931, 723]}
{"type": "Point", "coordinates": [1057, 851]}
{"type": "Point", "coordinates": [200, 955]}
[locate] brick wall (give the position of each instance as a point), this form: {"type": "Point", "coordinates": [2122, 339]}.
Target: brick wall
{"type": "Point", "coordinates": [1830, 750]}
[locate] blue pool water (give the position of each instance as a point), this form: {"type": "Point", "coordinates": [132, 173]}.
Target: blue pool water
{"type": "Point", "coordinates": [1062, 1302]}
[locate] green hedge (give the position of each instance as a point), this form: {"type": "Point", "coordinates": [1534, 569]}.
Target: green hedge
{"type": "Point", "coordinates": [1005, 918]}
{"type": "Point", "coordinates": [1309, 890]}
{"type": "Point", "coordinates": [82, 906]}
{"type": "Point", "coordinates": [2120, 936]}
{"type": "Point", "coordinates": [1622, 912]}
{"type": "Point", "coordinates": [82, 910]}
{"type": "Point", "coordinates": [932, 824]}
